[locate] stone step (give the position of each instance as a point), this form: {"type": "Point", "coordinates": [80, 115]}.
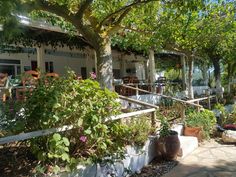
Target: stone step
{"type": "Point", "coordinates": [187, 144]}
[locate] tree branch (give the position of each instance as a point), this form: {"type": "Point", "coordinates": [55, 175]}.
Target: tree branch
{"type": "Point", "coordinates": [56, 9]}
{"type": "Point", "coordinates": [122, 16]}
{"type": "Point", "coordinates": [115, 26]}
{"type": "Point", "coordinates": [76, 19]}
{"type": "Point", "coordinates": [137, 30]}
{"type": "Point", "coordinates": [110, 16]}
{"type": "Point", "coordinates": [93, 20]}
{"type": "Point", "coordinates": [83, 7]}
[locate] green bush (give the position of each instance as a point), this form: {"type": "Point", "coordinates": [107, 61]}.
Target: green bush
{"type": "Point", "coordinates": [81, 103]}
{"type": "Point", "coordinates": [165, 128]}
{"type": "Point", "coordinates": [139, 129]}
{"type": "Point", "coordinates": [226, 117]}
{"type": "Point", "coordinates": [204, 119]}
{"type": "Point", "coordinates": [10, 120]}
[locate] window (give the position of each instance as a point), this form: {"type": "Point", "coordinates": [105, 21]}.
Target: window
{"type": "Point", "coordinates": [34, 65]}
{"type": "Point", "coordinates": [84, 72]}
{"type": "Point", "coordinates": [11, 67]}
{"type": "Point", "coordinates": [49, 68]}
{"type": "Point", "coordinates": [116, 73]}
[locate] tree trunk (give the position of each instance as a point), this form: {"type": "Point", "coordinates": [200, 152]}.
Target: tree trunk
{"type": "Point", "coordinates": [190, 78]}
{"type": "Point", "coordinates": [104, 65]}
{"type": "Point", "coordinates": [229, 77]}
{"type": "Point", "coordinates": [151, 69]}
{"type": "Point", "coordinates": [183, 64]}
{"type": "Point", "coordinates": [216, 64]}
{"type": "Point", "coordinates": [205, 74]}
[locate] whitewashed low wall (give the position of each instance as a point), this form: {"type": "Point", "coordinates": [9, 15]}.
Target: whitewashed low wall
{"type": "Point", "coordinates": [135, 159]}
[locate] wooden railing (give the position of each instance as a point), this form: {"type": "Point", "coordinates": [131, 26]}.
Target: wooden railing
{"type": "Point", "coordinates": [197, 100]}
{"type": "Point", "coordinates": [150, 109]}
{"type": "Point", "coordinates": [194, 102]}
{"type": "Point", "coordinates": [164, 96]}
{"type": "Point", "coordinates": [38, 133]}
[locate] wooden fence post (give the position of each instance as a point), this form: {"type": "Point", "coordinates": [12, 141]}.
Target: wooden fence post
{"type": "Point", "coordinates": [183, 116]}
{"type": "Point", "coordinates": [209, 102]}
{"type": "Point", "coordinates": [198, 108]}
{"type": "Point", "coordinates": [136, 86]}
{"type": "Point", "coordinates": [153, 120]}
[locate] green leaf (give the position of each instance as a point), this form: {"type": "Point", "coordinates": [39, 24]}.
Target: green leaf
{"type": "Point", "coordinates": [67, 168]}
{"type": "Point", "coordinates": [88, 131]}
{"type": "Point", "coordinates": [66, 149]}
{"type": "Point", "coordinates": [50, 155]}
{"type": "Point", "coordinates": [56, 169]}
{"type": "Point", "coordinates": [56, 137]}
{"type": "Point", "coordinates": [80, 122]}
{"type": "Point", "coordinates": [55, 117]}
{"type": "Point", "coordinates": [65, 157]}
{"type": "Point", "coordinates": [66, 141]}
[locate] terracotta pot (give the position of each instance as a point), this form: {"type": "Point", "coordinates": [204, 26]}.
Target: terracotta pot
{"type": "Point", "coordinates": [193, 131]}
{"type": "Point", "coordinates": [168, 147]}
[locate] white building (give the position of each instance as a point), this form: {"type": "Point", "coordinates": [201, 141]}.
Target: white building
{"type": "Point", "coordinates": [82, 61]}
{"type": "Point", "coordinates": [15, 61]}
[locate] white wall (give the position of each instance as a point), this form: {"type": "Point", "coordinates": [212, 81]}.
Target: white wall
{"type": "Point", "coordinates": [61, 58]}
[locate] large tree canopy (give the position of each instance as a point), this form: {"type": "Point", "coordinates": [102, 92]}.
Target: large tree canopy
{"type": "Point", "coordinates": [98, 21]}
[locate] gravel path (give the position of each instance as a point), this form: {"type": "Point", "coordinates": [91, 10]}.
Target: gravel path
{"type": "Point", "coordinates": [156, 168]}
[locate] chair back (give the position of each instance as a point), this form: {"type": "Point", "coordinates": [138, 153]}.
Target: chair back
{"type": "Point", "coordinates": [30, 78]}
{"type": "Point", "coordinates": [3, 79]}
{"type": "Point", "coordinates": [52, 75]}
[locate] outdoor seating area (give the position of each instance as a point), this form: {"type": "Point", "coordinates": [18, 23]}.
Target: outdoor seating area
{"type": "Point", "coordinates": [128, 88]}
{"type": "Point", "coordinates": [158, 86]}
{"type": "Point", "coordinates": [16, 88]}
{"type": "Point", "coordinates": [132, 81]}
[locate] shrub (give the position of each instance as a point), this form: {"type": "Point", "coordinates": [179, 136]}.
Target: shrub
{"type": "Point", "coordinates": [225, 116]}
{"type": "Point", "coordinates": [10, 119]}
{"type": "Point", "coordinates": [204, 119]}
{"type": "Point", "coordinates": [165, 128]}
{"type": "Point", "coordinates": [81, 103]}
{"type": "Point", "coordinates": [139, 129]}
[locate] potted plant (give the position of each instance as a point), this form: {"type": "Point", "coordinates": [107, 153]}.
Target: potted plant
{"type": "Point", "coordinates": [168, 144]}
{"type": "Point", "coordinates": [200, 124]}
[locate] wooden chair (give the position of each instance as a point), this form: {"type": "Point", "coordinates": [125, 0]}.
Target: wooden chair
{"type": "Point", "coordinates": [52, 75]}
{"type": "Point", "coordinates": [3, 86]}
{"type": "Point", "coordinates": [129, 80]}
{"type": "Point", "coordinates": [3, 79]}
{"type": "Point", "coordinates": [49, 77]}
{"type": "Point", "coordinates": [29, 81]}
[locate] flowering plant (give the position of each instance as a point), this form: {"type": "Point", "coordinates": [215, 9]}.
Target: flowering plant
{"type": "Point", "coordinates": [83, 104]}
{"type": "Point", "coordinates": [93, 75]}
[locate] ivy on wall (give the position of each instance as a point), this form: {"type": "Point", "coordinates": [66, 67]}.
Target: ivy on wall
{"type": "Point", "coordinates": [31, 37]}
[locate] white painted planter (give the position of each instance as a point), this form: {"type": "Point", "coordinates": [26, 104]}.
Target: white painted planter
{"type": "Point", "coordinates": [135, 159]}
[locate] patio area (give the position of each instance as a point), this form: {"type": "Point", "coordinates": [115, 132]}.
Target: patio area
{"type": "Point", "coordinates": [211, 158]}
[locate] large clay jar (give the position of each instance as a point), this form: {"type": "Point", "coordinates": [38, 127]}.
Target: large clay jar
{"type": "Point", "coordinates": [193, 131]}
{"type": "Point", "coordinates": [168, 147]}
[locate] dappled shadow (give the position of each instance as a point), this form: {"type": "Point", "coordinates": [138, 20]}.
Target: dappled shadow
{"type": "Point", "coordinates": [220, 141]}
{"type": "Point", "coordinates": [219, 168]}
{"type": "Point", "coordinates": [211, 159]}
{"type": "Point", "coordinates": [16, 160]}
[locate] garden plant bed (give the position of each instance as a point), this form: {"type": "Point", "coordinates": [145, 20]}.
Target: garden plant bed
{"type": "Point", "coordinates": [156, 168]}
{"type": "Point", "coordinates": [16, 160]}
